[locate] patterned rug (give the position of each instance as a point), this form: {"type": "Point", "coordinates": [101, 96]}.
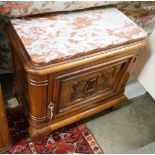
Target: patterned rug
{"type": "Point", "coordinates": [75, 138]}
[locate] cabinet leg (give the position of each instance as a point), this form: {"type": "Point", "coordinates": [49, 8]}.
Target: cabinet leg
{"type": "Point", "coordinates": [115, 107]}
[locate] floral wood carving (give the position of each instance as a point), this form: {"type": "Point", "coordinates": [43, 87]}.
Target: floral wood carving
{"type": "Point", "coordinates": [85, 88]}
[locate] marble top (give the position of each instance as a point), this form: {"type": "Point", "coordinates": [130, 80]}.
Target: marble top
{"type": "Point", "coordinates": [54, 38]}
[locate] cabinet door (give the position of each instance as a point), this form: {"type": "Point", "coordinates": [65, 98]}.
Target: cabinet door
{"type": "Point", "coordinates": [75, 90]}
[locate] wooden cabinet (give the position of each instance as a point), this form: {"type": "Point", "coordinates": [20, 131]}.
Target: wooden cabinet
{"type": "Point", "coordinates": [5, 140]}
{"type": "Point", "coordinates": [68, 89]}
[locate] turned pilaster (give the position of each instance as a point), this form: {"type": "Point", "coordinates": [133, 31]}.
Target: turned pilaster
{"type": "Point", "coordinates": [37, 95]}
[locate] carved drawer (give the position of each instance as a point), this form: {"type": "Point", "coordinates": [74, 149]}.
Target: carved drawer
{"type": "Point", "coordinates": [77, 90]}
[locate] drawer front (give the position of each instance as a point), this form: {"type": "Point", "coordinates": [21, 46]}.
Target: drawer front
{"type": "Point", "coordinates": [77, 89]}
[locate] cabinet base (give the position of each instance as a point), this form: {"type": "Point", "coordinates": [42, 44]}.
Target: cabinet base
{"type": "Point", "coordinates": [38, 134]}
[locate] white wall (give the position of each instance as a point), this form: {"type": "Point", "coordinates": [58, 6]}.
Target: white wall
{"type": "Point", "coordinates": [145, 68]}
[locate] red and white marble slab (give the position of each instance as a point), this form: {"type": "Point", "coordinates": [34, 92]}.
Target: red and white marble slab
{"type": "Point", "coordinates": [54, 38]}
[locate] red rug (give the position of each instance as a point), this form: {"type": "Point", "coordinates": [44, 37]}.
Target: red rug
{"type": "Point", "coordinates": [75, 138]}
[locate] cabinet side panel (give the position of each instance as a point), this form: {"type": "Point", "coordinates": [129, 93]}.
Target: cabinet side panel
{"type": "Point", "coordinates": [5, 140]}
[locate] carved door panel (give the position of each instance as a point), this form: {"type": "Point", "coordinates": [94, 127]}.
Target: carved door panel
{"type": "Point", "coordinates": [81, 88]}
